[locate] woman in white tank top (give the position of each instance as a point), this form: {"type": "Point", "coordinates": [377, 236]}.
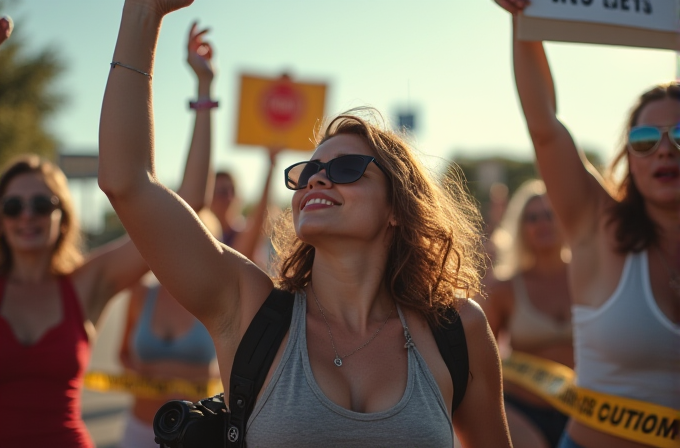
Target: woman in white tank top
{"type": "Point", "coordinates": [375, 244]}
{"type": "Point", "coordinates": [625, 243]}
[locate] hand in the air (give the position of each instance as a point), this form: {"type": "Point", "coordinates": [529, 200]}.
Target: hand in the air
{"type": "Point", "coordinates": [199, 54]}
{"type": "Point", "coordinates": [513, 6]}
{"type": "Point", "coordinates": [6, 27]}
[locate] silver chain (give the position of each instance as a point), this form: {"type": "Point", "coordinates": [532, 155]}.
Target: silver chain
{"type": "Point", "coordinates": [338, 359]}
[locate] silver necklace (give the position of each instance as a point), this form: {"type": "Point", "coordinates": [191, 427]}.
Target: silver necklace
{"type": "Point", "coordinates": [338, 359]}
{"type": "Point", "coordinates": [674, 280]}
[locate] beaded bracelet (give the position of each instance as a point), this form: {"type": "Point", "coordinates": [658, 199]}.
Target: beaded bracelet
{"type": "Point", "coordinates": [203, 104]}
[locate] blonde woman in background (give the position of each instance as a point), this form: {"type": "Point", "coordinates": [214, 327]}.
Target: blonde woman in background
{"type": "Point", "coordinates": [530, 307]}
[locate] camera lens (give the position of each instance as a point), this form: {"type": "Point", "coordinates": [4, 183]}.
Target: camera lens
{"type": "Point", "coordinates": [169, 421]}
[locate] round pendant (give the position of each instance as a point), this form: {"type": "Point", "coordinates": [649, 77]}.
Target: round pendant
{"type": "Point", "coordinates": [337, 361]}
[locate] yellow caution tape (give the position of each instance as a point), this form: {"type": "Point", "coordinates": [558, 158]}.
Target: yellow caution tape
{"type": "Point", "coordinates": [642, 422]}
{"type": "Point", "coordinates": [151, 387]}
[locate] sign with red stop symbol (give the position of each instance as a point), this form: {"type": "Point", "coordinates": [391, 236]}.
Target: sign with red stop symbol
{"type": "Point", "coordinates": [277, 112]}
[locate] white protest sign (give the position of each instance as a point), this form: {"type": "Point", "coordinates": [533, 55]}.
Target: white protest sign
{"type": "Point", "coordinates": [636, 23]}
{"type": "Point", "coordinates": [658, 15]}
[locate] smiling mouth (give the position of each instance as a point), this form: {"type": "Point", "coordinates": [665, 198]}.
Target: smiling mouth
{"type": "Point", "coordinates": [319, 201]}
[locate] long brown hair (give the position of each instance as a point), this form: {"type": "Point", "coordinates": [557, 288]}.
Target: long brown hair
{"type": "Point", "coordinates": [435, 254]}
{"type": "Point", "coordinates": [635, 231]}
{"type": "Point", "coordinates": [66, 255]}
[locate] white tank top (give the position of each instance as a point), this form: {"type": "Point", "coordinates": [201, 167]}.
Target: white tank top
{"type": "Point", "coordinates": [627, 346]}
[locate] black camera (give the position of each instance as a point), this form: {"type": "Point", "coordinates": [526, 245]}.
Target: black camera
{"type": "Point", "coordinates": [183, 424]}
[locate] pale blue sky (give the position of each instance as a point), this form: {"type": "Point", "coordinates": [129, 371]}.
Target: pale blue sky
{"type": "Point", "coordinates": [449, 59]}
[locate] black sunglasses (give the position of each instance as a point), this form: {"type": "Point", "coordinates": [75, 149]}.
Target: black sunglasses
{"type": "Point", "coordinates": [341, 170]}
{"type": "Point", "coordinates": [40, 205]}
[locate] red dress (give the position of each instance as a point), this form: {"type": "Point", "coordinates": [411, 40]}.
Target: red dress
{"type": "Point", "coordinates": [40, 384]}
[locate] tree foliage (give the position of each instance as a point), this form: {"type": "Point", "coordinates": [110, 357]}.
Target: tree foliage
{"type": "Point", "coordinates": [484, 174]}
{"type": "Point", "coordinates": [26, 98]}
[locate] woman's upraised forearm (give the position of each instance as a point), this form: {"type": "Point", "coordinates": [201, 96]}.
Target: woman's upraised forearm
{"type": "Point", "coordinates": [126, 128]}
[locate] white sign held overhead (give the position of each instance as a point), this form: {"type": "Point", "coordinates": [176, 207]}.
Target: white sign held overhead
{"type": "Point", "coordinates": [635, 23]}
{"type": "Point", "coordinates": [657, 15]}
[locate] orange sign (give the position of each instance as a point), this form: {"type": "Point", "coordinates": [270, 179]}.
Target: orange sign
{"type": "Point", "coordinates": [279, 112]}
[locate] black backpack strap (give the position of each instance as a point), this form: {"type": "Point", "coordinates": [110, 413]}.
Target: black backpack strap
{"type": "Point", "coordinates": [450, 337]}
{"type": "Point", "coordinates": [253, 359]}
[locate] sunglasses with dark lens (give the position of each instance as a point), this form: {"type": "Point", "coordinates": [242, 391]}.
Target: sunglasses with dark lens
{"type": "Point", "coordinates": [341, 170]}
{"type": "Point", "coordinates": [644, 140]}
{"type": "Point", "coordinates": [40, 205]}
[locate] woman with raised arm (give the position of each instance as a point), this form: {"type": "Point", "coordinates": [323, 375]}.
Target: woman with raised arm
{"type": "Point", "coordinates": [161, 339]}
{"type": "Point", "coordinates": [243, 237]}
{"type": "Point", "coordinates": [51, 298]}
{"type": "Point", "coordinates": [376, 245]}
{"type": "Point", "coordinates": [530, 305]}
{"type": "Point", "coordinates": [625, 245]}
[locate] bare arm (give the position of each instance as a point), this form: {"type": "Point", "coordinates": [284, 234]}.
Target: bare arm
{"type": "Point", "coordinates": [246, 241]}
{"type": "Point", "coordinates": [498, 306]}
{"type": "Point", "coordinates": [204, 276]}
{"type": "Point", "coordinates": [197, 179]}
{"type": "Point", "coordinates": [107, 271]}
{"type": "Point", "coordinates": [135, 304]}
{"type": "Point", "coordinates": [115, 266]}
{"type": "Point", "coordinates": [480, 419]}
{"type": "Point", "coordinates": [573, 191]}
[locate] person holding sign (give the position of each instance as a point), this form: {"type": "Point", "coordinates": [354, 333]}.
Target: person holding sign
{"type": "Point", "coordinates": [161, 339]}
{"type": "Point", "coordinates": [624, 273]}
{"type": "Point", "coordinates": [531, 306]}
{"type": "Point", "coordinates": [377, 252]}
{"type": "Point", "coordinates": [246, 237]}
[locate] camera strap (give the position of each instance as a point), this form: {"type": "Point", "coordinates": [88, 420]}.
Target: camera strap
{"type": "Point", "coordinates": [253, 359]}
{"type": "Point", "coordinates": [450, 338]}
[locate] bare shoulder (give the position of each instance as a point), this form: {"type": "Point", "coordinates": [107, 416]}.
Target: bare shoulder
{"type": "Point", "coordinates": [480, 420]}
{"type": "Point", "coordinates": [482, 349]}
{"type": "Point", "coordinates": [501, 293]}
{"type": "Point", "coordinates": [472, 317]}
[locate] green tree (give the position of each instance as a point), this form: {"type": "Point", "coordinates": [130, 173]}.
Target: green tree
{"type": "Point", "coordinates": [26, 97]}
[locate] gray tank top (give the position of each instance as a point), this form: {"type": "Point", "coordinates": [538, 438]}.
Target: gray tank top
{"type": "Point", "coordinates": [294, 412]}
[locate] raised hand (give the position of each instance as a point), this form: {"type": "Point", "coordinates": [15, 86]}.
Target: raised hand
{"type": "Point", "coordinates": [6, 26]}
{"type": "Point", "coordinates": [513, 6]}
{"type": "Point", "coordinates": [199, 54]}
